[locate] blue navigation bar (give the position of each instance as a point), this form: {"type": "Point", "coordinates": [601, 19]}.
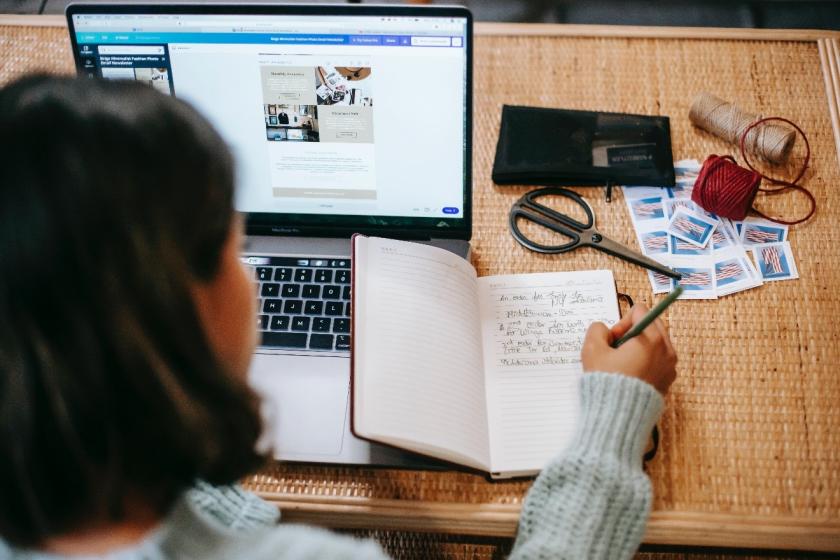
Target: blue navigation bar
{"type": "Point", "coordinates": [269, 38]}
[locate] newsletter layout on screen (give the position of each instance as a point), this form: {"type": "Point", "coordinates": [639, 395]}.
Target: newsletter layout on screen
{"type": "Point", "coordinates": [334, 115]}
{"type": "Point", "coordinates": [331, 110]}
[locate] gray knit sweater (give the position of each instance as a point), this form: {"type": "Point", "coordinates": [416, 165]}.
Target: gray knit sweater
{"type": "Point", "coordinates": [592, 501]}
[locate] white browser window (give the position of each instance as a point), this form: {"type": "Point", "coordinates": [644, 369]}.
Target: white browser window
{"type": "Point", "coordinates": [339, 115]}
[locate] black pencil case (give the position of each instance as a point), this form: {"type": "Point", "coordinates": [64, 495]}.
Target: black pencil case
{"type": "Point", "coordinates": [539, 146]}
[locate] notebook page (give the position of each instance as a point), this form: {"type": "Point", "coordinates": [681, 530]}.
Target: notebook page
{"type": "Point", "coordinates": [533, 327]}
{"type": "Point", "coordinates": [418, 372]}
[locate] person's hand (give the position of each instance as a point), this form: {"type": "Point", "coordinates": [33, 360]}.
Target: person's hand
{"type": "Point", "coordinates": [649, 356]}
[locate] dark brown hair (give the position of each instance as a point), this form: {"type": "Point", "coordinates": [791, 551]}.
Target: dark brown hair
{"type": "Point", "coordinates": [113, 200]}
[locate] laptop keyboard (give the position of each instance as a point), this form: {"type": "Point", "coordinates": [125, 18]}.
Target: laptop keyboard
{"type": "Point", "coordinates": [303, 303]}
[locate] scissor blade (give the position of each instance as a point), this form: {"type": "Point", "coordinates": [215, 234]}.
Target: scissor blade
{"type": "Point", "coordinates": [553, 214]}
{"type": "Point", "coordinates": [593, 238]}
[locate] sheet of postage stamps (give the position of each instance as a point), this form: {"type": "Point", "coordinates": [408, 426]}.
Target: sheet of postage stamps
{"type": "Point", "coordinates": [716, 256]}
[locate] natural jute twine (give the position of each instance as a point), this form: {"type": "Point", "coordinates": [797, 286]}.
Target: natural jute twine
{"type": "Point", "coordinates": [725, 120]}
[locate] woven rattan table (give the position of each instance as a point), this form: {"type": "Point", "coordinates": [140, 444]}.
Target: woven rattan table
{"type": "Point", "coordinates": [750, 455]}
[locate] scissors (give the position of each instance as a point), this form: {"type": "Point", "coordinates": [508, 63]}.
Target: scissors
{"type": "Point", "coordinates": [580, 234]}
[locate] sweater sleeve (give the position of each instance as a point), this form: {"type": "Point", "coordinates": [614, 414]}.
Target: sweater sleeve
{"type": "Point", "coordinates": [232, 506]}
{"type": "Point", "coordinates": [593, 501]}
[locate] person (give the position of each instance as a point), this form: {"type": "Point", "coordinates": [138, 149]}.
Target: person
{"type": "Point", "coordinates": [128, 327]}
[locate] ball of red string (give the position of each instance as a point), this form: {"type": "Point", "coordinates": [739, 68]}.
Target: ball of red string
{"type": "Point", "coordinates": [725, 188]}
{"type": "Point", "coordinates": [728, 190]}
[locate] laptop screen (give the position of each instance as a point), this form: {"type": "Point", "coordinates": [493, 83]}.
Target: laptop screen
{"type": "Point", "coordinates": [356, 118]}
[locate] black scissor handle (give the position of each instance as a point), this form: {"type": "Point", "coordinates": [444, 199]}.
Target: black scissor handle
{"type": "Point", "coordinates": [529, 214]}
{"type": "Point", "coordinates": [529, 209]}
{"type": "Point", "coordinates": [529, 200]}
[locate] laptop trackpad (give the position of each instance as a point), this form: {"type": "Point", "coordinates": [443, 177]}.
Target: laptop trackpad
{"type": "Point", "coordinates": [305, 402]}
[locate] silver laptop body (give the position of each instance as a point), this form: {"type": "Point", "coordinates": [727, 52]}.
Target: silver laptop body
{"type": "Point", "coordinates": [342, 119]}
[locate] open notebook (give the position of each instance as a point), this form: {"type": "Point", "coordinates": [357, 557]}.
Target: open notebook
{"type": "Point", "coordinates": [477, 371]}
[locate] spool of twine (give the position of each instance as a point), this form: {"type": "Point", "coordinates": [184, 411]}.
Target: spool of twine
{"type": "Point", "coordinates": [725, 120]}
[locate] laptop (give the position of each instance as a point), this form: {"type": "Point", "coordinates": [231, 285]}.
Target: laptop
{"type": "Point", "coordinates": [341, 119]}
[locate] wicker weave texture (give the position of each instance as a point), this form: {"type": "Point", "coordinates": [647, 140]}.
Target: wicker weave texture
{"type": "Point", "coordinates": [431, 546]}
{"type": "Point", "coordinates": [751, 424]}
{"type": "Point", "coordinates": [33, 49]}
{"type": "Point", "coordinates": [750, 421]}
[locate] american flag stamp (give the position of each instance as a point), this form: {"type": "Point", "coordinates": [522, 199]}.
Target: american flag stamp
{"type": "Point", "coordinates": [721, 238]}
{"type": "Point", "coordinates": [724, 237]}
{"type": "Point", "coordinates": [730, 271]}
{"type": "Point", "coordinates": [635, 193]}
{"type": "Point", "coordinates": [685, 173]}
{"type": "Point", "coordinates": [681, 189]}
{"type": "Point", "coordinates": [759, 232]}
{"type": "Point", "coordinates": [687, 169]}
{"type": "Point", "coordinates": [659, 282]}
{"type": "Point", "coordinates": [698, 282]}
{"type": "Point", "coordinates": [683, 248]}
{"type": "Point", "coordinates": [775, 261]}
{"type": "Point", "coordinates": [695, 278]}
{"type": "Point", "coordinates": [735, 272]}
{"type": "Point", "coordinates": [692, 227]}
{"type": "Point", "coordinates": [671, 206]}
{"type": "Point", "coordinates": [647, 208]}
{"type": "Point", "coordinates": [655, 242]}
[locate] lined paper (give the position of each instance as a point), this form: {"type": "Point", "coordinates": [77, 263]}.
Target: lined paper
{"type": "Point", "coordinates": [419, 346]}
{"type": "Point", "coordinates": [533, 327]}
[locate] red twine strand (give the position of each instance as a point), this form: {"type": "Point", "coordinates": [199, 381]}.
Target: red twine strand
{"type": "Point", "coordinates": [727, 189]}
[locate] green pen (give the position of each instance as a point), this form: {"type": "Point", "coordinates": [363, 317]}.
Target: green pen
{"type": "Point", "coordinates": [650, 317]}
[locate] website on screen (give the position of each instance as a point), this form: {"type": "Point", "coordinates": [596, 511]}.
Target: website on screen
{"type": "Point", "coordinates": [356, 116]}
